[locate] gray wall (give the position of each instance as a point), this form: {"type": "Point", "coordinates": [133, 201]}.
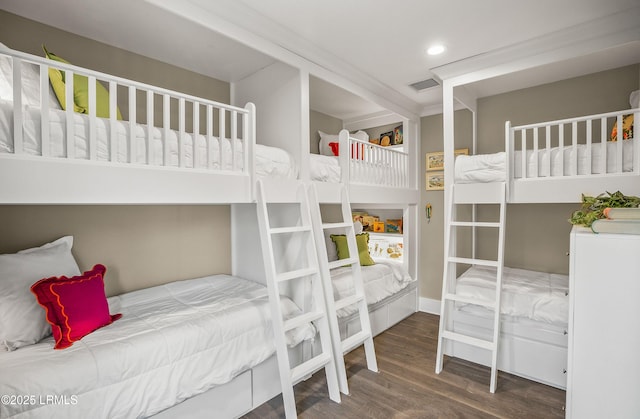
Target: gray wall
{"type": "Point", "coordinates": [537, 235]}
{"type": "Point", "coordinates": [140, 245]}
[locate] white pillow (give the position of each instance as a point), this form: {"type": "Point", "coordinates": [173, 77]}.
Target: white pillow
{"type": "Point", "coordinates": [325, 139]}
{"type": "Point", "coordinates": [22, 319]}
{"type": "Point", "coordinates": [30, 83]}
{"type": "Point", "coordinates": [323, 145]}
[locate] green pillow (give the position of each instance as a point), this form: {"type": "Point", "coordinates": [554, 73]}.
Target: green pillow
{"type": "Point", "coordinates": [362, 241]}
{"type": "Point", "coordinates": [80, 90]}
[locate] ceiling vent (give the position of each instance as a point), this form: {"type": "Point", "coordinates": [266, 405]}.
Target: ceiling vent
{"type": "Point", "coordinates": [424, 84]}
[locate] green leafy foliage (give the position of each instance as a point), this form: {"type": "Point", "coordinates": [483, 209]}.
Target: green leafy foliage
{"type": "Point", "coordinates": [592, 207]}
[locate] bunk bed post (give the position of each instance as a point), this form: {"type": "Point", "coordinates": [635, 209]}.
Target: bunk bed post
{"type": "Point", "coordinates": [18, 147]}
{"type": "Point", "coordinates": [249, 135]}
{"type": "Point", "coordinates": [509, 147]}
{"type": "Point", "coordinates": [343, 157]}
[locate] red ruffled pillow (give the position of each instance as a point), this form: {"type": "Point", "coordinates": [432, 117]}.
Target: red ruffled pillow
{"type": "Point", "coordinates": [74, 306]}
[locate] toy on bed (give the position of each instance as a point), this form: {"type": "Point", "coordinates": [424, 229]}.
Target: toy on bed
{"type": "Point", "coordinates": [172, 342]}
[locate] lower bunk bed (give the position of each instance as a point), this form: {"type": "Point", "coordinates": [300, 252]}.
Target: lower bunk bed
{"type": "Point", "coordinates": [533, 322]}
{"type": "Point", "coordinates": [198, 348]}
{"type": "Point", "coordinates": [390, 292]}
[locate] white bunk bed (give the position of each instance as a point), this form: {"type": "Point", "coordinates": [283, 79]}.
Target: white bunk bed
{"type": "Point", "coordinates": [562, 160]}
{"type": "Point", "coordinates": [60, 156]}
{"type": "Point", "coordinates": [55, 156]}
{"type": "Point", "coordinates": [369, 169]}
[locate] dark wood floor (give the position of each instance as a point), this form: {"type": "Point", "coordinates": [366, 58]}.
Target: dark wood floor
{"type": "Point", "coordinates": [408, 387]}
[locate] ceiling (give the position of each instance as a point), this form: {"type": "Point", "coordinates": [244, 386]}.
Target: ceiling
{"type": "Point", "coordinates": [377, 47]}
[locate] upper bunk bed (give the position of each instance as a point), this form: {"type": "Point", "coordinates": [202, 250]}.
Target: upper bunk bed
{"type": "Point", "coordinates": [558, 161]}
{"type": "Point", "coordinates": [99, 154]}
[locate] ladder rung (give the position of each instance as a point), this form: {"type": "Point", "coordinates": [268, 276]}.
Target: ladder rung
{"type": "Point", "coordinates": [327, 226]}
{"type": "Point", "coordinates": [347, 301]}
{"type": "Point", "coordinates": [297, 321]}
{"type": "Point", "coordinates": [354, 340]}
{"type": "Point", "coordinates": [299, 273]}
{"type": "Point", "coordinates": [475, 224]}
{"type": "Point", "coordinates": [470, 300]}
{"type": "Point", "coordinates": [294, 229]}
{"type": "Point", "coordinates": [342, 262]}
{"type": "Point", "coordinates": [470, 261]}
{"type": "Point", "coordinates": [480, 343]}
{"type": "Point", "coordinates": [309, 367]}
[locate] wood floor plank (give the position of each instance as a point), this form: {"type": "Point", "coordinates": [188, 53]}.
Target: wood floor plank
{"type": "Point", "coordinates": [408, 387]}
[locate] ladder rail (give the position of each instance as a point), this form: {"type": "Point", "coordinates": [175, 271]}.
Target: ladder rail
{"type": "Point", "coordinates": [340, 346]}
{"type": "Point", "coordinates": [449, 296]}
{"type": "Point", "coordinates": [317, 313]}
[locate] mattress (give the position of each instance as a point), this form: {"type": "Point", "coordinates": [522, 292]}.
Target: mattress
{"type": "Point", "coordinates": [528, 294]}
{"type": "Point", "coordinates": [492, 167]}
{"type": "Point", "coordinates": [381, 280]}
{"type": "Point", "coordinates": [270, 161]}
{"type": "Point", "coordinates": [173, 341]}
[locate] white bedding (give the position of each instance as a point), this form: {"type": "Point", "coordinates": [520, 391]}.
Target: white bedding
{"type": "Point", "coordinates": [270, 161]}
{"type": "Point", "coordinates": [492, 167]}
{"type": "Point", "coordinates": [381, 280]}
{"type": "Point", "coordinates": [535, 295]}
{"type": "Point", "coordinates": [172, 342]}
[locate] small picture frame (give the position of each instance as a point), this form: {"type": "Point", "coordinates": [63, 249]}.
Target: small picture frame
{"type": "Point", "coordinates": [397, 135]}
{"type": "Point", "coordinates": [435, 161]}
{"type": "Point", "coordinates": [435, 181]}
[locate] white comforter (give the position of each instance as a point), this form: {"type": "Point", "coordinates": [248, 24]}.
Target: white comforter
{"type": "Point", "coordinates": [381, 280]}
{"type": "Point", "coordinates": [270, 161]}
{"type": "Point", "coordinates": [535, 295]}
{"type": "Point", "coordinates": [492, 167]}
{"type": "Point", "coordinates": [172, 342]}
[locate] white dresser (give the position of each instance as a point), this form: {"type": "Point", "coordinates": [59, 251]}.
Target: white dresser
{"type": "Point", "coordinates": [604, 326]}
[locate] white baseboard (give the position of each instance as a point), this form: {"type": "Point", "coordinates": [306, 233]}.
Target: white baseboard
{"type": "Point", "coordinates": [429, 305]}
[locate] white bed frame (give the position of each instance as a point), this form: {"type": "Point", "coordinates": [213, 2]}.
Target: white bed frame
{"type": "Point", "coordinates": [534, 350]}
{"type": "Point", "coordinates": [43, 179]}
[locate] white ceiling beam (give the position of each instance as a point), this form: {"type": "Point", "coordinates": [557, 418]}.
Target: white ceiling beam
{"type": "Point", "coordinates": [586, 38]}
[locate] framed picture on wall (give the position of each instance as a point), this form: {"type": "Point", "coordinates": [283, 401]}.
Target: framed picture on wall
{"type": "Point", "coordinates": [435, 161]}
{"type": "Point", "coordinates": [435, 181]}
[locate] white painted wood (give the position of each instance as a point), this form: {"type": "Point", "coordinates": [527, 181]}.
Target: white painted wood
{"type": "Point", "coordinates": [364, 337]}
{"type": "Point", "coordinates": [446, 332]}
{"type": "Point", "coordinates": [150, 122]}
{"type": "Point", "coordinates": [132, 124]}
{"type": "Point", "coordinates": [93, 147]}
{"type": "Point", "coordinates": [44, 115]}
{"type": "Point", "coordinates": [113, 115]}
{"type": "Point", "coordinates": [295, 259]}
{"type": "Point", "coordinates": [18, 146]}
{"type": "Point", "coordinates": [604, 368]}
{"type": "Point", "coordinates": [69, 109]}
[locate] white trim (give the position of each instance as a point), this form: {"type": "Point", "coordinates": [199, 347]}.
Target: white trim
{"type": "Point", "coordinates": [579, 40]}
{"type": "Point", "coordinates": [429, 305]}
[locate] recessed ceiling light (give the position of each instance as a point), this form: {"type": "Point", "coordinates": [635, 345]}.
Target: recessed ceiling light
{"type": "Point", "coordinates": [436, 49]}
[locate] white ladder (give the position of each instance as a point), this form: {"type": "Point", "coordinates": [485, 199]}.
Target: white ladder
{"type": "Point", "coordinates": [364, 336]}
{"type": "Point", "coordinates": [449, 296]}
{"type": "Point", "coordinates": [283, 273]}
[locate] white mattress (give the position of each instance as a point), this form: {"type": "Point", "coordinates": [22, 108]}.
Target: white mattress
{"type": "Point", "coordinates": [534, 295]}
{"type": "Point", "coordinates": [324, 168]}
{"type": "Point", "coordinates": [492, 167]}
{"type": "Point", "coordinates": [172, 342]}
{"type": "Point", "coordinates": [381, 280]}
{"type": "Point", "coordinates": [270, 161]}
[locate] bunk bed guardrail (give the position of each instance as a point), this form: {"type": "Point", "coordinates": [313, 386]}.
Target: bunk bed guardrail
{"type": "Point", "coordinates": [159, 128]}
{"type": "Point", "coordinates": [579, 151]}
{"type": "Point", "coordinates": [365, 163]}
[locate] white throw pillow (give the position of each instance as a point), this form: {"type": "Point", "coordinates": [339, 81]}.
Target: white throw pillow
{"type": "Point", "coordinates": [22, 320]}
{"type": "Point", "coordinates": [325, 139]}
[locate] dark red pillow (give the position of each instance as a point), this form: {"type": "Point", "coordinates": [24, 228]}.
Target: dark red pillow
{"type": "Point", "coordinates": [74, 306]}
